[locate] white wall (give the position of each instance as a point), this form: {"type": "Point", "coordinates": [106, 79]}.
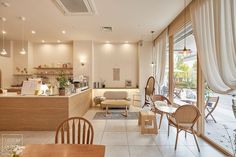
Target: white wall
{"type": "Point", "coordinates": [145, 68]}
{"type": "Point", "coordinates": [19, 60]}
{"type": "Point", "coordinates": [82, 52]}
{"type": "Point", "coordinates": [51, 54]}
{"type": "Point", "coordinates": [30, 56]}
{"type": "Point", "coordinates": [6, 67]}
{"type": "Point", "coordinates": [109, 56]}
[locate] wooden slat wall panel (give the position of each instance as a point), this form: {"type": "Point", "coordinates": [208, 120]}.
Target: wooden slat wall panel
{"type": "Point", "coordinates": [32, 113]}
{"type": "Point", "coordinates": [79, 105]}
{"type": "Point", "coordinates": [41, 113]}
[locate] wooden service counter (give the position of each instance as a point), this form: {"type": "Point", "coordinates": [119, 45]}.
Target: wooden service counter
{"type": "Point", "coordinates": [40, 113]}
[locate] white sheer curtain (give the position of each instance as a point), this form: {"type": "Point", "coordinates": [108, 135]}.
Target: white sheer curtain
{"type": "Point", "coordinates": [214, 27]}
{"type": "Point", "coordinates": [160, 59]}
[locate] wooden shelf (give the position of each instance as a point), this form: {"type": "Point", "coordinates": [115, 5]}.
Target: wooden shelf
{"type": "Point", "coordinates": [53, 68]}
{"type": "Point", "coordinates": [50, 74]}
{"type": "Point", "coordinates": [22, 74]}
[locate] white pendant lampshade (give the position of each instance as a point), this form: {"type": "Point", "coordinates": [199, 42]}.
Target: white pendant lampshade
{"type": "Point", "coordinates": [23, 52]}
{"type": "Point", "coordinates": [3, 52]}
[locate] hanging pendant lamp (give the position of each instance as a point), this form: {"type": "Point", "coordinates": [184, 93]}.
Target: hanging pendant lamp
{"type": "Point", "coordinates": [185, 51]}
{"type": "Point", "coordinates": [152, 64]}
{"type": "Point", "coordinates": [3, 51]}
{"type": "Point", "coordinates": [23, 52]}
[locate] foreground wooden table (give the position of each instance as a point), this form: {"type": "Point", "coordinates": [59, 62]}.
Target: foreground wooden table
{"type": "Point", "coordinates": [63, 150]}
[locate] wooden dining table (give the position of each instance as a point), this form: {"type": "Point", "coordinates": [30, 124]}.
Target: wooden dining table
{"type": "Point", "coordinates": [63, 150]}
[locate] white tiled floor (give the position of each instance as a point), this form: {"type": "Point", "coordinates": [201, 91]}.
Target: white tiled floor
{"type": "Point", "coordinates": [123, 139]}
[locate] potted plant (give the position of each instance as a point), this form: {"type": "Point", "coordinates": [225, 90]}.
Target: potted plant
{"type": "Point", "coordinates": [63, 83]}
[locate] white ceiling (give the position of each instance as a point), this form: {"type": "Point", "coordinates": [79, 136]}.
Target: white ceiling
{"type": "Point", "coordinates": [132, 20]}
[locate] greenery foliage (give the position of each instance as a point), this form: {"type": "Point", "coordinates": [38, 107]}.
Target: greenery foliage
{"type": "Point", "coordinates": [62, 80]}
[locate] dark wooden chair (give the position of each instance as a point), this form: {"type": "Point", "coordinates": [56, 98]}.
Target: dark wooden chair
{"type": "Point", "coordinates": [184, 119]}
{"type": "Point", "coordinates": [149, 90]}
{"type": "Point", "coordinates": [155, 110]}
{"type": "Point", "coordinates": [75, 130]}
{"type": "Point", "coordinates": [210, 106]}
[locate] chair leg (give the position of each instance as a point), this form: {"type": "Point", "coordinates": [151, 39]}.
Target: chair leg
{"type": "Point", "coordinates": [160, 120]}
{"type": "Point", "coordinates": [176, 141]}
{"type": "Point", "coordinates": [212, 117]}
{"type": "Point", "coordinates": [196, 141]}
{"type": "Point", "coordinates": [185, 134]}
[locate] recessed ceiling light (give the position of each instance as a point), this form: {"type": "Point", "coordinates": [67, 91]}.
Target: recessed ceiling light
{"type": "Point", "coordinates": [43, 41]}
{"type": "Point", "coordinates": [63, 32]}
{"type": "Point", "coordinates": [5, 4]}
{"type": "Point", "coordinates": [4, 32]}
{"type": "Point", "coordinates": [3, 19]}
{"type": "Point", "coordinates": [58, 41]}
{"type": "Point", "coordinates": [33, 32]}
{"type": "Point", "coordinates": [126, 42]}
{"type": "Point", "coordinates": [107, 42]}
{"type": "Point", "coordinates": [22, 18]}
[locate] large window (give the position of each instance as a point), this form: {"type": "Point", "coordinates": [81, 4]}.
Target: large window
{"type": "Point", "coordinates": [185, 67]}
{"type": "Point", "coordinates": [220, 123]}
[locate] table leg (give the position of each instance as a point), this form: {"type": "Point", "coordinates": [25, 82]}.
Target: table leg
{"type": "Point", "coordinates": [106, 110]}
{"type": "Point", "coordinates": [125, 113]}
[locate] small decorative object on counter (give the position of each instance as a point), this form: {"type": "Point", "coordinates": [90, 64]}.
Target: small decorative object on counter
{"type": "Point", "coordinates": [63, 83]}
{"type": "Point", "coordinates": [103, 83]}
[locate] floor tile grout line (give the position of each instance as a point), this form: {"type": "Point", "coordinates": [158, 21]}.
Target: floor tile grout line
{"type": "Point", "coordinates": [127, 138]}
{"type": "Point", "coordinates": [103, 131]}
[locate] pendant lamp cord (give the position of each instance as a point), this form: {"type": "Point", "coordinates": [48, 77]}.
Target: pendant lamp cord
{"type": "Point", "coordinates": [3, 34]}
{"type": "Point", "coordinates": [22, 34]}
{"type": "Point", "coordinates": [184, 23]}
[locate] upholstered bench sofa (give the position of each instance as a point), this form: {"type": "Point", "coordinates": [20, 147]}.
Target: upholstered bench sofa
{"type": "Point", "coordinates": [115, 99]}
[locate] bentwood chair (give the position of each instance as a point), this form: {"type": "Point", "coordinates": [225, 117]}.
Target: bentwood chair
{"type": "Point", "coordinates": [75, 130]}
{"type": "Point", "coordinates": [210, 106]}
{"type": "Point", "coordinates": [165, 101]}
{"type": "Point", "coordinates": [184, 119]}
{"type": "Point", "coordinates": [149, 90]}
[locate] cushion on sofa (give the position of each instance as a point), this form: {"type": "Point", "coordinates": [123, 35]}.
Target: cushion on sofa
{"type": "Point", "coordinates": [115, 95]}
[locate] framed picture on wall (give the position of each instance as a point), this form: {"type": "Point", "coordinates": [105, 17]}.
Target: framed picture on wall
{"type": "Point", "coordinates": [116, 74]}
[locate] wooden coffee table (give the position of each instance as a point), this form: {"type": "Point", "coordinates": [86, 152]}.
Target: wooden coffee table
{"type": "Point", "coordinates": [116, 103]}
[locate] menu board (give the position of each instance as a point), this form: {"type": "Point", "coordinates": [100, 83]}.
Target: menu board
{"type": "Point", "coordinates": [29, 87]}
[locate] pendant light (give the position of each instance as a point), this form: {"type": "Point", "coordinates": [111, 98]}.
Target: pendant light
{"type": "Point", "coordinates": [152, 64]}
{"type": "Point", "coordinates": [153, 56]}
{"type": "Point", "coordinates": [23, 52]}
{"type": "Point", "coordinates": [185, 51]}
{"type": "Point", "coordinates": [3, 51]}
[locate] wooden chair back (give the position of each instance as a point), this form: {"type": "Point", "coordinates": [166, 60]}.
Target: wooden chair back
{"type": "Point", "coordinates": [75, 130]}
{"type": "Point", "coordinates": [160, 98]}
{"type": "Point", "coordinates": [150, 86]}
{"type": "Point", "coordinates": [187, 114]}
{"type": "Point", "coordinates": [213, 101]}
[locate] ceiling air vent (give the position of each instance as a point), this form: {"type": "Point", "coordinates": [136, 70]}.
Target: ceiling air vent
{"type": "Point", "coordinates": [106, 29]}
{"type": "Point", "coordinates": [76, 7]}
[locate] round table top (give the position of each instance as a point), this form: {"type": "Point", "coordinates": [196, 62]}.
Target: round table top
{"type": "Point", "coordinates": [164, 107]}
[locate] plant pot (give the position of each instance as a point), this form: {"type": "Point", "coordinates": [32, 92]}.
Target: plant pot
{"type": "Point", "coordinates": [62, 91]}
